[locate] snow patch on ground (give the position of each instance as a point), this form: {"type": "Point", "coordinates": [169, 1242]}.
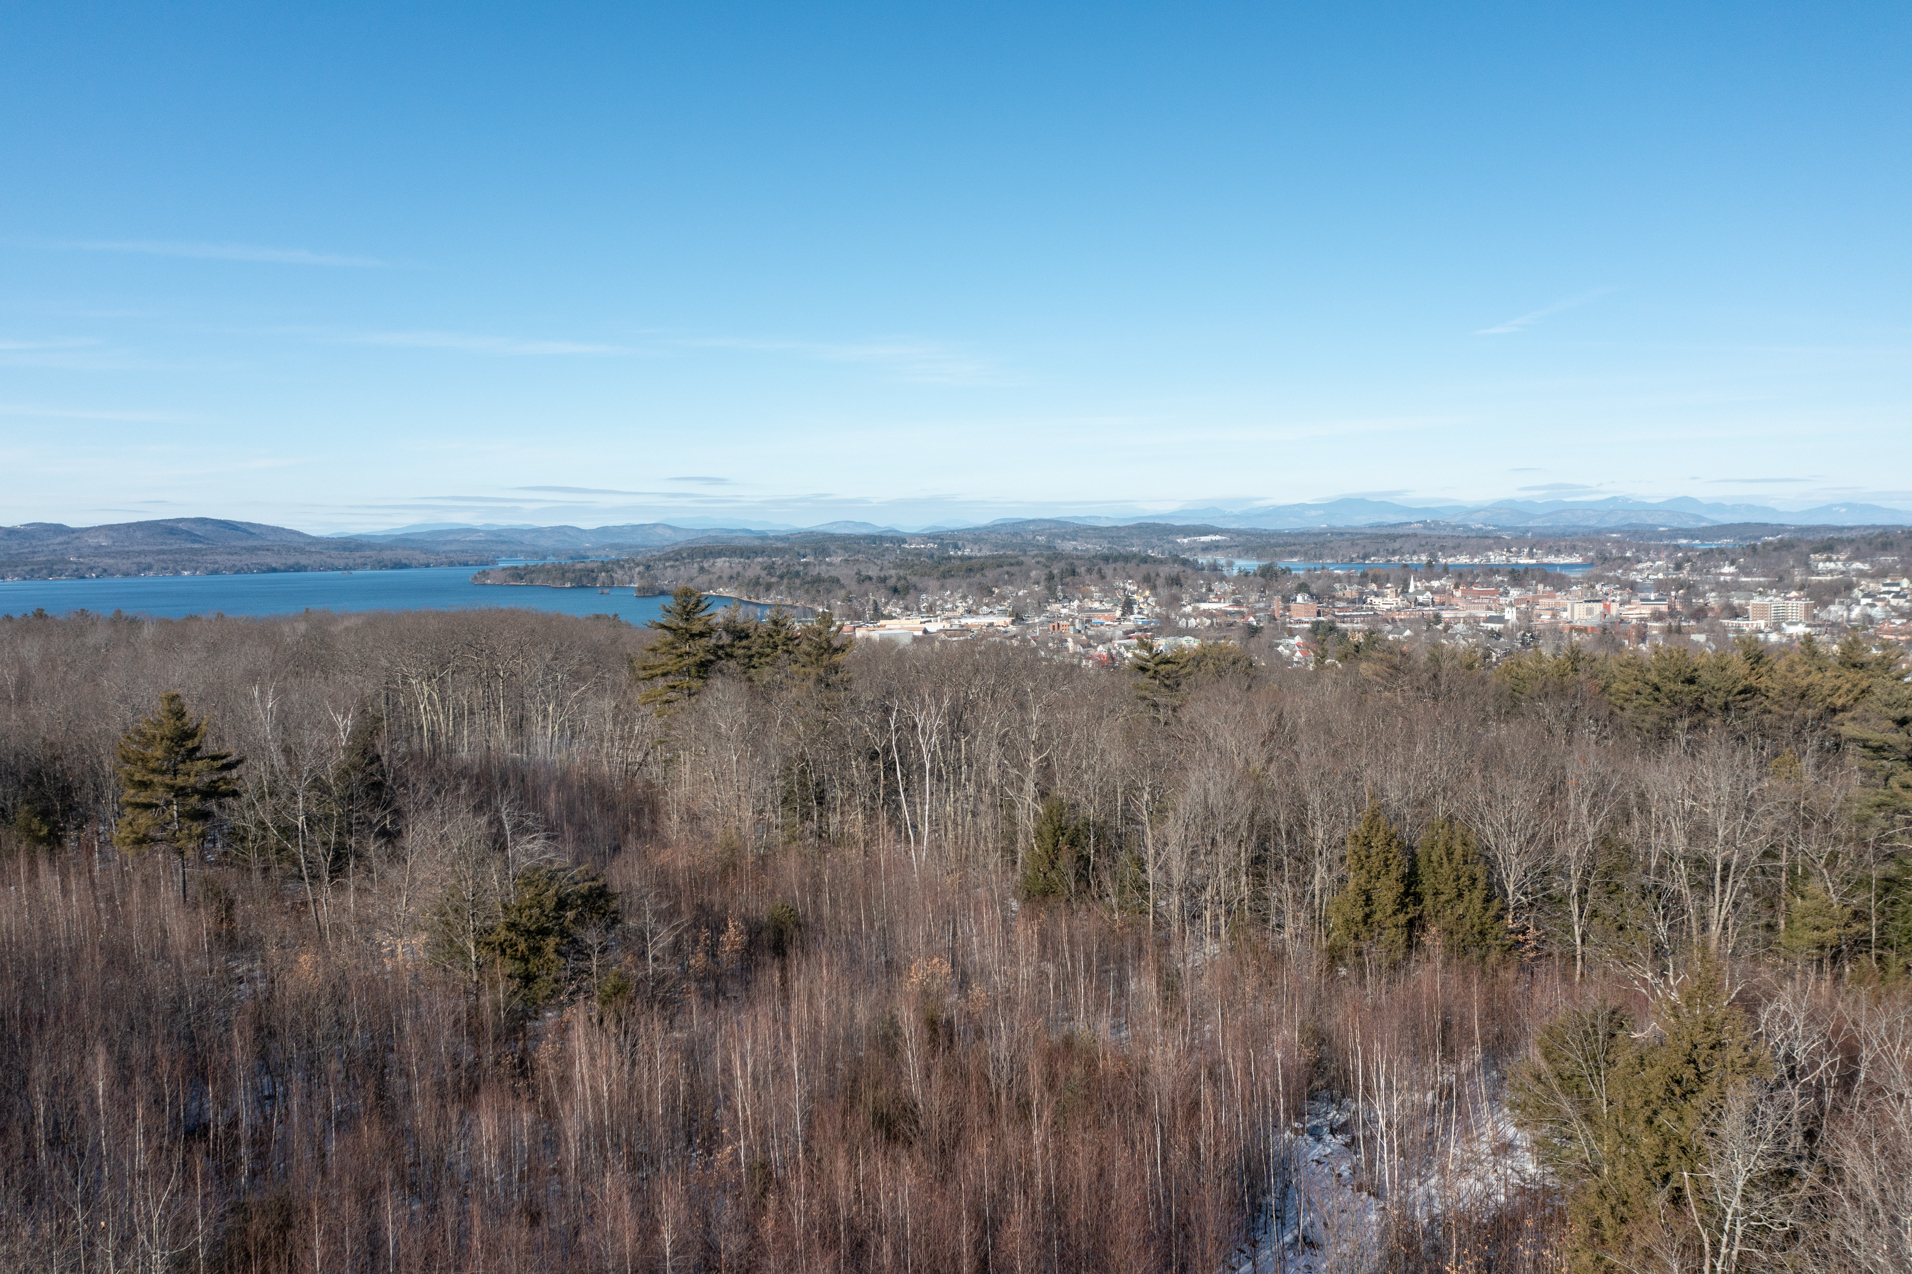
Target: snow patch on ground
{"type": "Point", "coordinates": [1329, 1218]}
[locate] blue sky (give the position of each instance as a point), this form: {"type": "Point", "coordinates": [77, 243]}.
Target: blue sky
{"type": "Point", "coordinates": [360, 267]}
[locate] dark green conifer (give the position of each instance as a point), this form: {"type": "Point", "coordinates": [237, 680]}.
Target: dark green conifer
{"type": "Point", "coordinates": [678, 662]}
{"type": "Point", "coordinates": [758, 648]}
{"type": "Point", "coordinates": [170, 783]}
{"type": "Point", "coordinates": [1213, 661]}
{"type": "Point", "coordinates": [1626, 922]}
{"type": "Point", "coordinates": [1158, 676]}
{"type": "Point", "coordinates": [1165, 677]}
{"type": "Point", "coordinates": [1565, 1095]}
{"type": "Point", "coordinates": [1624, 1119]}
{"type": "Point", "coordinates": [1668, 1100]}
{"type": "Point", "coordinates": [1457, 901]}
{"type": "Point", "coordinates": [1054, 862]}
{"type": "Point", "coordinates": [32, 827]}
{"type": "Point", "coordinates": [535, 942]}
{"type": "Point", "coordinates": [820, 652]}
{"type": "Point", "coordinates": [361, 787]}
{"type": "Point", "coordinates": [1376, 907]}
{"type": "Point", "coordinates": [1879, 733]}
{"type": "Point", "coordinates": [1816, 924]}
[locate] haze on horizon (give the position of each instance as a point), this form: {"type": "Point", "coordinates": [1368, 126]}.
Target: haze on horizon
{"type": "Point", "coordinates": [355, 268]}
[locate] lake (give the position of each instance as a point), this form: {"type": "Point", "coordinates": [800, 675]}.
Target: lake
{"type": "Point", "coordinates": [427, 588]}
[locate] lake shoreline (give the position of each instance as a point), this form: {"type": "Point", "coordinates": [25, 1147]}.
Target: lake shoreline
{"type": "Point", "coordinates": [267, 593]}
{"type": "Point", "coordinates": [621, 591]}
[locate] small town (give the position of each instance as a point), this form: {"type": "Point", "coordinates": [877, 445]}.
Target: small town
{"type": "Point", "coordinates": [1642, 604]}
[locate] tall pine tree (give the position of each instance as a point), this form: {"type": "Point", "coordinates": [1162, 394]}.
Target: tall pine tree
{"type": "Point", "coordinates": [1376, 908]}
{"type": "Point", "coordinates": [820, 651]}
{"type": "Point", "coordinates": [1624, 1118]}
{"type": "Point", "coordinates": [1457, 902]}
{"type": "Point", "coordinates": [1159, 675]}
{"type": "Point", "coordinates": [677, 663]}
{"type": "Point", "coordinates": [1055, 863]}
{"type": "Point", "coordinates": [1566, 1095]}
{"type": "Point", "coordinates": [758, 648]}
{"type": "Point", "coordinates": [368, 808]}
{"type": "Point", "coordinates": [170, 783]}
{"type": "Point", "coordinates": [535, 944]}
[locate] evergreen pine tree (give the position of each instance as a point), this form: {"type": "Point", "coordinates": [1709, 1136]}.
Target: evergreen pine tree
{"type": "Point", "coordinates": [1564, 1095]}
{"type": "Point", "coordinates": [1879, 732]}
{"type": "Point", "coordinates": [1165, 677]}
{"type": "Point", "coordinates": [1816, 924]}
{"type": "Point", "coordinates": [1893, 951]}
{"type": "Point", "coordinates": [535, 941]}
{"type": "Point", "coordinates": [1054, 862]}
{"type": "Point", "coordinates": [1213, 661]}
{"type": "Point", "coordinates": [758, 648]}
{"type": "Point", "coordinates": [1666, 1103]}
{"type": "Point", "coordinates": [1624, 1120]}
{"type": "Point", "coordinates": [1158, 676]}
{"type": "Point", "coordinates": [1377, 905]}
{"type": "Point", "coordinates": [678, 662]}
{"type": "Point", "coordinates": [362, 789]}
{"type": "Point", "coordinates": [1456, 900]}
{"type": "Point", "coordinates": [1624, 912]}
{"type": "Point", "coordinates": [170, 784]}
{"type": "Point", "coordinates": [820, 652]}
{"type": "Point", "coordinates": [31, 827]}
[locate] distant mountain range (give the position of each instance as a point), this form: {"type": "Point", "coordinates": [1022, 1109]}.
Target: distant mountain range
{"type": "Point", "coordinates": [475, 542]}
{"type": "Point", "coordinates": [628, 535]}
{"type": "Point", "coordinates": [50, 548]}
{"type": "Point", "coordinates": [1610, 513]}
{"type": "Point", "coordinates": [516, 540]}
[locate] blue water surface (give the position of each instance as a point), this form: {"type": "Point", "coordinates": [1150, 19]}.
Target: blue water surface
{"type": "Point", "coordinates": [425, 588]}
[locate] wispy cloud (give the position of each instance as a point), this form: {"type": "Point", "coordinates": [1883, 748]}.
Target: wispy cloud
{"type": "Point", "coordinates": [68, 353]}
{"type": "Point", "coordinates": [1526, 321]}
{"type": "Point", "coordinates": [704, 481]}
{"type": "Point", "coordinates": [581, 490]}
{"type": "Point", "coordinates": [33, 412]}
{"type": "Point", "coordinates": [509, 346]}
{"type": "Point", "coordinates": [222, 252]}
{"type": "Point", "coordinates": [535, 508]}
{"type": "Point", "coordinates": [478, 499]}
{"type": "Point", "coordinates": [11, 346]}
{"type": "Point", "coordinates": [1734, 482]}
{"type": "Point", "coordinates": [521, 502]}
{"type": "Point", "coordinates": [1140, 435]}
{"type": "Point", "coordinates": [918, 360]}
{"type": "Point", "coordinates": [1867, 494]}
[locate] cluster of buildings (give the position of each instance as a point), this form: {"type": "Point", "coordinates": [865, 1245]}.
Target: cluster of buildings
{"type": "Point", "coordinates": [1106, 623]}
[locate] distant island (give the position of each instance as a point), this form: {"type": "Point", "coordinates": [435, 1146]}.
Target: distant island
{"type": "Point", "coordinates": [201, 546]}
{"type": "Point", "coordinates": [215, 546]}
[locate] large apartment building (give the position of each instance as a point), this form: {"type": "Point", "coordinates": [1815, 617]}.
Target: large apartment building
{"type": "Point", "coordinates": [1779, 610]}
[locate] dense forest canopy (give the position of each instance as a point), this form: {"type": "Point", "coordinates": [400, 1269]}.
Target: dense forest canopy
{"type": "Point", "coordinates": [510, 940]}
